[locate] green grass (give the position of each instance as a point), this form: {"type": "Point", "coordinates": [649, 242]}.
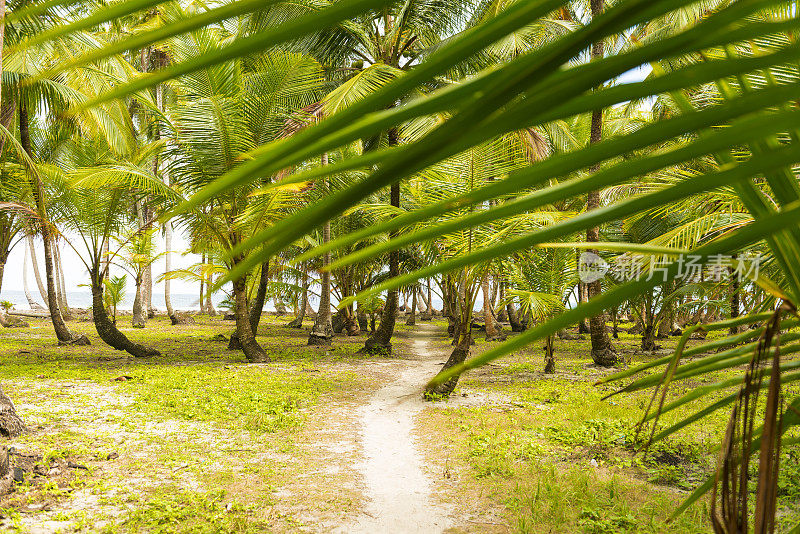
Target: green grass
{"type": "Point", "coordinates": [198, 415]}
{"type": "Point", "coordinates": [560, 458]}
{"type": "Point", "coordinates": [209, 438]}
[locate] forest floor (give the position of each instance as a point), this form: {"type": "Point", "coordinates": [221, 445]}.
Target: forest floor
{"type": "Point", "coordinates": [326, 440]}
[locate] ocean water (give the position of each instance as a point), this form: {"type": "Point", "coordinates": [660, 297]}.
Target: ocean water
{"type": "Point", "coordinates": [83, 299]}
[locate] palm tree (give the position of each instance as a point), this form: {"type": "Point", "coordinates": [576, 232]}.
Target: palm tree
{"type": "Point", "coordinates": [363, 54]}
{"type": "Point", "coordinates": [220, 116]}
{"type": "Point", "coordinates": [93, 204]}
{"type": "Point", "coordinates": [603, 353]}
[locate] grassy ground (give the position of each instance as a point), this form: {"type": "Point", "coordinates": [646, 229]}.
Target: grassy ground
{"type": "Point", "coordinates": [556, 457]}
{"type": "Point", "coordinates": [198, 440]}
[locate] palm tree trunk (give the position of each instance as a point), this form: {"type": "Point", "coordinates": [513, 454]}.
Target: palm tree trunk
{"type": "Point", "coordinates": [381, 341]}
{"type": "Point", "coordinates": [62, 286]}
{"type": "Point", "coordinates": [62, 332]}
{"type": "Point", "coordinates": [363, 320]}
{"type": "Point", "coordinates": [735, 304]}
{"type": "Point", "coordinates": [603, 352]}
{"type": "Point", "coordinates": [106, 329]}
{"type": "Point", "coordinates": [583, 296]}
{"type": "Point", "coordinates": [11, 425]}
{"type": "Point", "coordinates": [31, 302]}
{"type": "Point", "coordinates": [430, 301]}
{"type": "Point", "coordinates": [297, 322]}
{"type": "Point", "coordinates": [412, 317]}
{"type": "Point", "coordinates": [463, 342]}
{"type": "Point", "coordinates": [147, 291]}
{"type": "Point", "coordinates": [256, 307]}
{"type": "Point", "coordinates": [549, 355]}
{"type": "Point", "coordinates": [202, 301]}
{"type": "Point", "coordinates": [244, 331]}
{"type": "Point", "coordinates": [322, 331]}
{"type": "Point", "coordinates": [513, 318]}
{"type": "Point", "coordinates": [168, 267]}
{"type": "Point", "coordinates": [138, 314]}
{"type": "Point", "coordinates": [210, 305]}
{"type": "Point", "coordinates": [503, 315]}
{"type": "Point", "coordinates": [35, 263]}
{"type": "Point", "coordinates": [493, 332]}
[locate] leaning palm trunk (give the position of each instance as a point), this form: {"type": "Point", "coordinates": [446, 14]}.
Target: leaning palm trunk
{"type": "Point", "coordinates": [36, 274]}
{"type": "Point", "coordinates": [62, 332]}
{"type": "Point", "coordinates": [107, 330]}
{"type": "Point", "coordinates": [32, 304]}
{"type": "Point", "coordinates": [462, 341]}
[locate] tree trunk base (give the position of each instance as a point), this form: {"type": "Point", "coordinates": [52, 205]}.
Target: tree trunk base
{"type": "Point", "coordinates": [352, 328]}
{"type": "Point", "coordinates": [376, 348]}
{"type": "Point", "coordinates": [8, 321]}
{"type": "Point", "coordinates": [233, 343]}
{"type": "Point", "coordinates": [316, 339]}
{"type": "Point", "coordinates": [181, 318]}
{"type": "Point", "coordinates": [259, 357]}
{"type": "Point", "coordinates": [605, 358]}
{"type": "Point", "coordinates": [549, 365]}
{"type": "Point", "coordinates": [445, 389]}
{"type": "Point", "coordinates": [140, 351]}
{"type": "Point", "coordinates": [297, 322]}
{"type": "Point", "coordinates": [80, 341]}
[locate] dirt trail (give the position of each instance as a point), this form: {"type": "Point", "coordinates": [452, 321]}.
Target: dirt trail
{"type": "Point", "coordinates": [399, 490]}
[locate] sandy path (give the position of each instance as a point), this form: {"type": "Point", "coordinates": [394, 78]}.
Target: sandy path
{"type": "Point", "coordinates": [399, 491]}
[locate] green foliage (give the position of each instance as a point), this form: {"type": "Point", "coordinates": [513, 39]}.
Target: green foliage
{"type": "Point", "coordinates": [262, 401]}
{"type": "Point", "coordinates": [174, 511]}
{"type": "Point", "coordinates": [599, 522]}
{"type": "Point", "coordinates": [114, 293]}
